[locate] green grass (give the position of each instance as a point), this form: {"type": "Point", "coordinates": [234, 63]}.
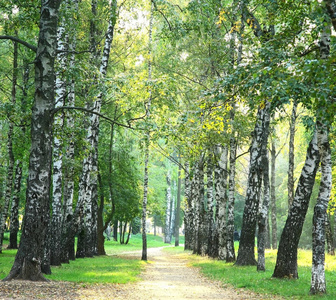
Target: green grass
{"type": "Point", "coordinates": [101, 269]}
{"type": "Point", "coordinates": [262, 282]}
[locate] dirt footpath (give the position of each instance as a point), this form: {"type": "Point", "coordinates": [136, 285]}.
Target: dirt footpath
{"type": "Point", "coordinates": [167, 276]}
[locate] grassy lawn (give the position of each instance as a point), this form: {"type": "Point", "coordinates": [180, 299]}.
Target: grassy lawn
{"type": "Point", "coordinates": [262, 282]}
{"type": "Point", "coordinates": [101, 269]}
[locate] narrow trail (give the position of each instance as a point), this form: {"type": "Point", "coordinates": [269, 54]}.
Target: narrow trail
{"type": "Point", "coordinates": [167, 276]}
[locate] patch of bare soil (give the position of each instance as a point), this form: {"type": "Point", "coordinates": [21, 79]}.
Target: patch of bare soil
{"type": "Point", "coordinates": [166, 277]}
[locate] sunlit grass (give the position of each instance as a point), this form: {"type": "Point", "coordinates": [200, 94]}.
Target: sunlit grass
{"type": "Point", "coordinates": [262, 282]}
{"type": "Point", "coordinates": [111, 268]}
{"type": "Point", "coordinates": [104, 269]}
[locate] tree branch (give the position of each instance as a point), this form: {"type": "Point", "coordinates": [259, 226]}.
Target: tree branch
{"type": "Point", "coordinates": [95, 113]}
{"type": "Point", "coordinates": [170, 27]}
{"type": "Point", "coordinates": [16, 39]}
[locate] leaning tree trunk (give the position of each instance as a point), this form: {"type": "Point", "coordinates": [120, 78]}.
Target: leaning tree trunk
{"type": "Point", "coordinates": [258, 151]}
{"type": "Point", "coordinates": [286, 264]}
{"type": "Point", "coordinates": [14, 217]}
{"type": "Point", "coordinates": [318, 282]}
{"type": "Point", "coordinates": [27, 264]}
{"type": "Point", "coordinates": [221, 198]}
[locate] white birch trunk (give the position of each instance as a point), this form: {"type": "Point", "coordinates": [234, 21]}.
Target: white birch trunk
{"type": "Point", "coordinates": [273, 199]}
{"type": "Point", "coordinates": [290, 183]}
{"type": "Point", "coordinates": [10, 168]}
{"type": "Point", "coordinates": [258, 151]}
{"type": "Point", "coordinates": [221, 198]}
{"type": "Point", "coordinates": [87, 179]}
{"type": "Point", "coordinates": [167, 230]}
{"type": "Point", "coordinates": [147, 136]}
{"type": "Point", "coordinates": [210, 206]}
{"type": "Point", "coordinates": [263, 217]}
{"type": "Point", "coordinates": [318, 282]}
{"type": "Point", "coordinates": [14, 217]}
{"type": "Point", "coordinates": [230, 256]}
{"type": "Point", "coordinates": [27, 264]}
{"type": "Point", "coordinates": [67, 251]}
{"type": "Point", "coordinates": [286, 264]}
{"type": "Point", "coordinates": [9, 184]}
{"type": "Point", "coordinates": [189, 212]}
{"type": "Point", "coordinates": [61, 91]}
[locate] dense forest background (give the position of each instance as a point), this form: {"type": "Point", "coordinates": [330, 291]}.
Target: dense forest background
{"type": "Point", "coordinates": [152, 92]}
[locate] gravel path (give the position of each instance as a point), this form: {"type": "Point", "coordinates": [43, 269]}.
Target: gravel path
{"type": "Point", "coordinates": [166, 276]}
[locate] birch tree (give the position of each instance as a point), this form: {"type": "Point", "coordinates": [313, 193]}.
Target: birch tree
{"type": "Point", "coordinates": [61, 91]}
{"type": "Point", "coordinates": [11, 159]}
{"type": "Point", "coordinates": [147, 141]}
{"type": "Point", "coordinates": [14, 216]}
{"type": "Point", "coordinates": [221, 198]}
{"type": "Point", "coordinates": [318, 282]}
{"type": "Point", "coordinates": [286, 264]}
{"type": "Point", "coordinates": [27, 264]}
{"type": "Point", "coordinates": [89, 176]}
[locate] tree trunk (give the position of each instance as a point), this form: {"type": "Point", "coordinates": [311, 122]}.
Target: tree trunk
{"type": "Point", "coordinates": [27, 264]}
{"type": "Point", "coordinates": [144, 201]}
{"type": "Point", "coordinates": [67, 249]}
{"type": "Point", "coordinates": [147, 137]}
{"type": "Point", "coordinates": [197, 202]}
{"type": "Point", "coordinates": [262, 218]}
{"type": "Point", "coordinates": [318, 282]}
{"type": "Point", "coordinates": [14, 218]}
{"type": "Point", "coordinates": [188, 216]}
{"type": "Point", "coordinates": [167, 235]}
{"type": "Point", "coordinates": [115, 231]}
{"type": "Point", "coordinates": [221, 198]}
{"type": "Point", "coordinates": [290, 183]}
{"type": "Point", "coordinates": [89, 179]}
{"type": "Point", "coordinates": [273, 199]}
{"type": "Point", "coordinates": [329, 237]}
{"type": "Point", "coordinates": [210, 206]}
{"type": "Point", "coordinates": [9, 184]}
{"type": "Point", "coordinates": [230, 255]}
{"type": "Point", "coordinates": [178, 208]}
{"type": "Point", "coordinates": [258, 151]}
{"type": "Point", "coordinates": [61, 91]}
{"type": "Point", "coordinates": [201, 241]}
{"type": "Point", "coordinates": [286, 264]}
{"type": "Point", "coordinates": [10, 168]}
{"type": "Point", "coordinates": [129, 233]}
